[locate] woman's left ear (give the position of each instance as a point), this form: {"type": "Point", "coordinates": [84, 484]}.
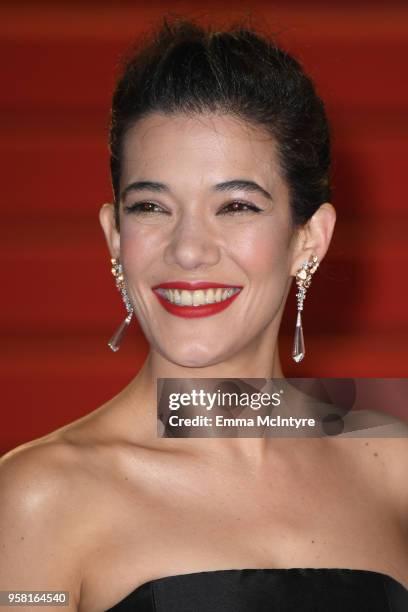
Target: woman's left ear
{"type": "Point", "coordinates": [314, 237]}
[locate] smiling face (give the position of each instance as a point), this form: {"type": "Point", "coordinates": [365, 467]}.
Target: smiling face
{"type": "Point", "coordinates": [202, 199]}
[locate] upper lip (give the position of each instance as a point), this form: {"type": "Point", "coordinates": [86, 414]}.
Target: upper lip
{"type": "Point", "coordinates": [192, 285]}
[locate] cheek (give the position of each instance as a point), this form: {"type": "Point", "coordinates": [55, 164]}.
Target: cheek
{"type": "Point", "coordinates": [138, 245]}
{"type": "Point", "coordinates": [263, 250]}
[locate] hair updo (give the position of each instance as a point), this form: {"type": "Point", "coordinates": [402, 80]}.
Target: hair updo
{"type": "Point", "coordinates": [187, 68]}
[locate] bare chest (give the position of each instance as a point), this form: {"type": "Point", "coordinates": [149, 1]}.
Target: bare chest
{"type": "Point", "coordinates": [195, 525]}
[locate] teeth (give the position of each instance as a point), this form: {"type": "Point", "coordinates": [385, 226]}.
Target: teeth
{"type": "Point", "coordinates": [210, 296]}
{"type": "Point", "coordinates": [198, 297]}
{"type": "Point", "coordinates": [218, 295]}
{"type": "Point", "coordinates": [186, 298]}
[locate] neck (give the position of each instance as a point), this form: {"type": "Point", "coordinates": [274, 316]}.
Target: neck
{"type": "Point", "coordinates": [143, 396]}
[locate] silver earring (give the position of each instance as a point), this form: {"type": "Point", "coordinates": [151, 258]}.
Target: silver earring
{"type": "Point", "coordinates": [303, 280]}
{"type": "Point", "coordinates": [117, 271]}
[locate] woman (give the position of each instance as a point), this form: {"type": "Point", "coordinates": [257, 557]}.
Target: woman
{"type": "Point", "coordinates": [220, 162]}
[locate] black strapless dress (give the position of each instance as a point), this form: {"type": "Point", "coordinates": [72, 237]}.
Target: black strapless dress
{"type": "Point", "coordinates": [269, 590]}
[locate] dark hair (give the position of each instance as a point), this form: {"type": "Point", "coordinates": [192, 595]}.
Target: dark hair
{"type": "Point", "coordinates": [188, 68]}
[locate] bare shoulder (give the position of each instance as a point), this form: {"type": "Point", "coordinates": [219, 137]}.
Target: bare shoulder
{"type": "Point", "coordinates": [60, 497]}
{"type": "Point", "coordinates": [380, 430]}
{"type": "Point", "coordinates": [36, 518]}
{"type": "Point", "coordinates": [373, 423]}
{"type": "Point", "coordinates": [42, 469]}
{"type": "Point", "coordinates": [45, 454]}
{"type": "Point", "coordinates": [55, 472]}
{"type": "Point", "coordinates": [379, 441]}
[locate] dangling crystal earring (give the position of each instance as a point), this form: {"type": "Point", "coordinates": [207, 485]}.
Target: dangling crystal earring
{"type": "Point", "coordinates": [303, 280]}
{"type": "Point", "coordinates": [117, 271]}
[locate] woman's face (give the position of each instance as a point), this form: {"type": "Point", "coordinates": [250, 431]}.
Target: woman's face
{"type": "Point", "coordinates": [198, 171]}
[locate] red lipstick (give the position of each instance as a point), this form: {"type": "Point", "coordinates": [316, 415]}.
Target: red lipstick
{"type": "Point", "coordinates": [192, 285]}
{"type": "Point", "coordinates": [190, 312]}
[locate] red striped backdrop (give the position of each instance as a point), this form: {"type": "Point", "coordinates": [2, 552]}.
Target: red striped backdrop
{"type": "Point", "coordinates": [59, 303]}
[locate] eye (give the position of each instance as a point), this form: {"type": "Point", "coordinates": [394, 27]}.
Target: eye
{"type": "Point", "coordinates": [237, 207]}
{"type": "Point", "coordinates": [142, 208]}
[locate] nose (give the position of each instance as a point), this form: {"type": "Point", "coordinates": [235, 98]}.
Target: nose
{"type": "Point", "coordinates": [193, 243]}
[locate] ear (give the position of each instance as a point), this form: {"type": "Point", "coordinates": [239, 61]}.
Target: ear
{"type": "Point", "coordinates": [314, 237]}
{"type": "Point", "coordinates": [107, 221]}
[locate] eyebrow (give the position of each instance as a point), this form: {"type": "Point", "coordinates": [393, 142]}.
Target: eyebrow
{"type": "Point", "coordinates": [219, 187]}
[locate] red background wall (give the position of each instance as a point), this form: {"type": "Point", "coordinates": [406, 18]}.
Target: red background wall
{"type": "Point", "coordinates": [59, 303]}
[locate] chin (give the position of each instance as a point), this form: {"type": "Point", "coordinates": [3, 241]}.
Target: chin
{"type": "Point", "coordinates": [193, 356]}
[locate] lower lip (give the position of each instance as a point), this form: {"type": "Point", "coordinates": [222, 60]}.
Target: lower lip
{"type": "Point", "coordinates": [192, 312]}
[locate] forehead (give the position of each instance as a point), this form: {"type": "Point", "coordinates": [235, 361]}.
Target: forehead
{"type": "Point", "coordinates": [208, 148]}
